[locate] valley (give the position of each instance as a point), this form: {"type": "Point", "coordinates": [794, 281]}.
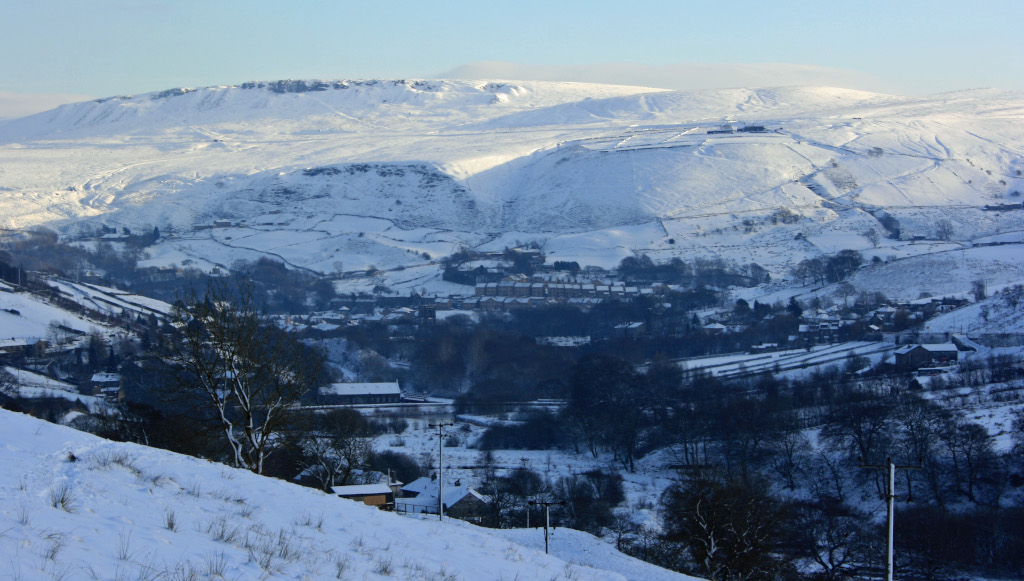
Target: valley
{"type": "Point", "coordinates": [631, 301]}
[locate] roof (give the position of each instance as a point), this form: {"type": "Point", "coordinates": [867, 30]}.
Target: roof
{"type": "Point", "coordinates": [427, 497]}
{"type": "Point", "coordinates": [421, 484]}
{"type": "Point", "coordinates": [940, 346]}
{"type": "Point", "coordinates": [633, 325]}
{"type": "Point", "coordinates": [361, 489]}
{"type": "Point", "coordinates": [933, 347]}
{"type": "Point", "coordinates": [361, 389]}
{"type": "Point", "coordinates": [13, 342]}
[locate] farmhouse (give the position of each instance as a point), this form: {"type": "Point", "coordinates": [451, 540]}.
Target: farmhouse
{"type": "Point", "coordinates": [913, 357]}
{"type": "Point", "coordinates": [14, 346]}
{"type": "Point", "coordinates": [105, 384]}
{"type": "Point", "coordinates": [460, 501]}
{"type": "Point", "coordinates": [360, 393]}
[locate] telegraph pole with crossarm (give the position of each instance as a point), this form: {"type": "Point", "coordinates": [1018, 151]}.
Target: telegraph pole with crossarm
{"type": "Point", "coordinates": [547, 517]}
{"type": "Point", "coordinates": [440, 466]}
{"type": "Point", "coordinates": [890, 495]}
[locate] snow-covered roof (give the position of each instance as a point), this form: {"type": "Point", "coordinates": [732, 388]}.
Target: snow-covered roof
{"type": "Point", "coordinates": [420, 485]}
{"type": "Point", "coordinates": [426, 490]}
{"type": "Point", "coordinates": [13, 342]}
{"type": "Point", "coordinates": [631, 325]}
{"type": "Point", "coordinates": [106, 377]}
{"type": "Point", "coordinates": [940, 346]}
{"type": "Point", "coordinates": [572, 341]}
{"type": "Point", "coordinates": [361, 489]}
{"type": "Point", "coordinates": [361, 389]}
{"type": "Point", "coordinates": [933, 347]}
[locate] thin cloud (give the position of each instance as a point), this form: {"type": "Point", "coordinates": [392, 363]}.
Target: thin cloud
{"type": "Point", "coordinates": [679, 76]}
{"type": "Point", "coordinates": [14, 105]}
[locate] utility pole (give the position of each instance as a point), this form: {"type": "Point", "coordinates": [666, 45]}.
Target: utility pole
{"type": "Point", "coordinates": [547, 517]}
{"type": "Point", "coordinates": [440, 466]}
{"type": "Point", "coordinates": [890, 496]}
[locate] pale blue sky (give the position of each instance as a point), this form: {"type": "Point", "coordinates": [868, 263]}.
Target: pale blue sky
{"type": "Point", "coordinates": [99, 48]}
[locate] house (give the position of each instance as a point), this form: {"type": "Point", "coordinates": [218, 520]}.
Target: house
{"type": "Point", "coordinates": [630, 329]}
{"type": "Point", "coordinates": [567, 341]}
{"type": "Point", "coordinates": [714, 329]}
{"type": "Point", "coordinates": [15, 346]}
{"type": "Point", "coordinates": [360, 393]}
{"type": "Point", "coordinates": [460, 501]}
{"type": "Point", "coordinates": [380, 495]}
{"type": "Point", "coordinates": [914, 357]}
{"type": "Point", "coordinates": [105, 384]}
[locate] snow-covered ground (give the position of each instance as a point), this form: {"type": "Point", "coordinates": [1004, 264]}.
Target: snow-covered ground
{"type": "Point", "coordinates": [30, 385]}
{"type": "Point", "coordinates": [29, 317]}
{"type": "Point", "coordinates": [74, 506]}
{"type": "Point", "coordinates": [25, 316]}
{"type": "Point", "coordinates": [397, 174]}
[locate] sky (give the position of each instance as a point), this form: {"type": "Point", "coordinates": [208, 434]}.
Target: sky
{"type": "Point", "coordinates": [69, 50]}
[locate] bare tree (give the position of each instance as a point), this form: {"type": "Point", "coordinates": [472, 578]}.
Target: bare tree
{"type": "Point", "coordinates": [730, 531]}
{"type": "Point", "coordinates": [237, 372]}
{"type": "Point", "coordinates": [7, 381]}
{"type": "Point", "coordinates": [873, 236]}
{"type": "Point", "coordinates": [943, 229]}
{"type": "Point", "coordinates": [788, 446]}
{"type": "Point", "coordinates": [979, 289]}
{"type": "Point", "coordinates": [845, 290]}
{"type": "Point", "coordinates": [971, 451]}
{"type": "Point", "coordinates": [1012, 296]}
{"type": "Point", "coordinates": [832, 537]}
{"type": "Point", "coordinates": [336, 448]}
{"type": "Point", "coordinates": [59, 334]}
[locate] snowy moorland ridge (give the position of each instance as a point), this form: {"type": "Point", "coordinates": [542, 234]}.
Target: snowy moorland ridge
{"type": "Point", "coordinates": [74, 506]}
{"type": "Point", "coordinates": [343, 175]}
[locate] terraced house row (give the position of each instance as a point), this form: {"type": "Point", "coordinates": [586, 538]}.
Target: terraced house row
{"type": "Point", "coordinates": [559, 290]}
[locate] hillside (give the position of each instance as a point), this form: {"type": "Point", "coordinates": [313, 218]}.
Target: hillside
{"type": "Point", "coordinates": [76, 506]}
{"type": "Point", "coordinates": [788, 247]}
{"type": "Point", "coordinates": [77, 307]}
{"type": "Point", "coordinates": [344, 175]}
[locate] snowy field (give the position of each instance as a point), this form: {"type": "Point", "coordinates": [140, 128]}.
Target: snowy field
{"type": "Point", "coordinates": [395, 175]}
{"type": "Point", "coordinates": [78, 507]}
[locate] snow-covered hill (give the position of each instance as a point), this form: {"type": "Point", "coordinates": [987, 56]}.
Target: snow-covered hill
{"type": "Point", "coordinates": [29, 317]}
{"type": "Point", "coordinates": [73, 506]}
{"type": "Point", "coordinates": [342, 175]}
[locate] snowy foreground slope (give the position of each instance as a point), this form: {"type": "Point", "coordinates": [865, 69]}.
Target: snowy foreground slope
{"type": "Point", "coordinates": [339, 176]}
{"type": "Point", "coordinates": [73, 506]}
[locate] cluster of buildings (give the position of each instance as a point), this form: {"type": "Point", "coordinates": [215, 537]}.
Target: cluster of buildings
{"type": "Point", "coordinates": [826, 326]}
{"type": "Point", "coordinates": [421, 496]}
{"type": "Point", "coordinates": [521, 287]}
{"type": "Point", "coordinates": [510, 294]}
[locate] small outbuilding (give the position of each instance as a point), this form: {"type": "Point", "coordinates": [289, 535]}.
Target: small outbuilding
{"type": "Point", "coordinates": [379, 495]}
